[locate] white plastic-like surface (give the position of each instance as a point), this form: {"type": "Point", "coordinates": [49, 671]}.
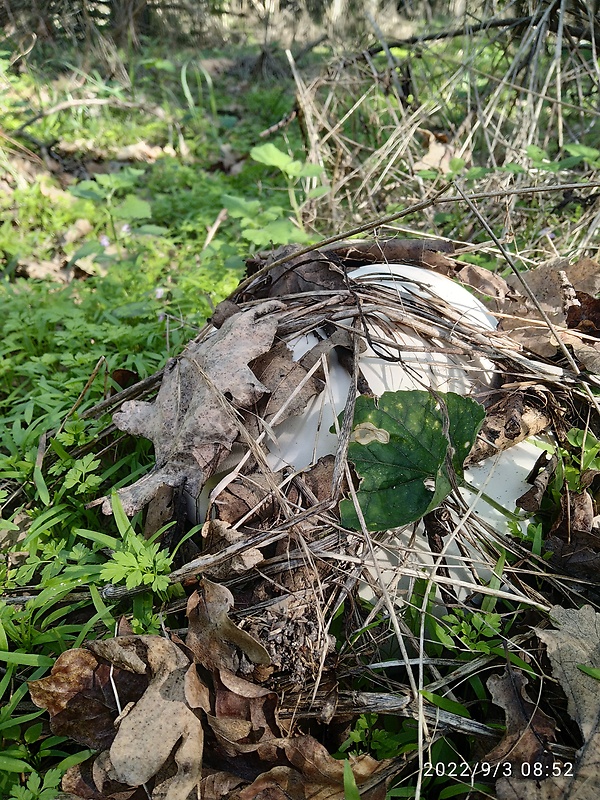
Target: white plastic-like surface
{"type": "Point", "coordinates": [301, 440]}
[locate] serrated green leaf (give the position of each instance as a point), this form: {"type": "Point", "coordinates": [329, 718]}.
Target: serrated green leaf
{"type": "Point", "coordinates": [239, 207]}
{"type": "Point", "coordinates": [536, 153]}
{"type": "Point", "coordinates": [399, 452]}
{"type": "Point", "coordinates": [281, 231]}
{"type": "Point", "coordinates": [589, 153]}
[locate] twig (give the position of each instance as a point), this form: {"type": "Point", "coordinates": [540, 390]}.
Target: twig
{"type": "Point", "coordinates": [92, 101]}
{"type": "Point", "coordinates": [221, 217]}
{"type": "Point", "coordinates": [368, 226]}
{"type": "Point", "coordinates": [511, 22]}
{"type": "Point", "coordinates": [380, 221]}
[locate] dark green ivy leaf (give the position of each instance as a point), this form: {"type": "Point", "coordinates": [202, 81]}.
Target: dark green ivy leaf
{"type": "Point", "coordinates": [398, 448]}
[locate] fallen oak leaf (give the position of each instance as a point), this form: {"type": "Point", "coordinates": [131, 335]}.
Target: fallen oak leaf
{"type": "Point", "coordinates": [162, 723]}
{"type": "Point", "coordinates": [575, 641]}
{"type": "Point", "coordinates": [528, 729]}
{"type": "Point", "coordinates": [211, 635]}
{"type": "Point", "coordinates": [245, 716]}
{"type": "Point", "coordinates": [190, 423]}
{"type": "Point", "coordinates": [314, 774]}
{"type": "Point", "coordinates": [80, 699]}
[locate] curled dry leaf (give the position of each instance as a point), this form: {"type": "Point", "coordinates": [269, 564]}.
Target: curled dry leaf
{"type": "Point", "coordinates": [505, 425]}
{"type": "Point", "coordinates": [528, 729]}
{"type": "Point", "coordinates": [80, 698]}
{"type": "Point", "coordinates": [575, 641]}
{"type": "Point", "coordinates": [163, 724]}
{"type": "Point", "coordinates": [212, 636]}
{"type": "Point", "coordinates": [245, 717]}
{"type": "Point", "coordinates": [547, 284]}
{"type": "Point", "coordinates": [312, 272]}
{"type": "Point", "coordinates": [573, 541]}
{"type": "Point", "coordinates": [314, 774]}
{"type": "Point", "coordinates": [540, 477]}
{"type": "Point", "coordinates": [190, 422]}
{"type": "Point", "coordinates": [220, 534]}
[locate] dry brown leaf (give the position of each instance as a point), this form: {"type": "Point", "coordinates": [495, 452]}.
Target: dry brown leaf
{"type": "Point", "coordinates": [189, 422]}
{"type": "Point", "coordinates": [314, 774]}
{"type": "Point", "coordinates": [244, 720]}
{"type": "Point", "coordinates": [586, 353]}
{"type": "Point", "coordinates": [528, 729]}
{"type": "Point", "coordinates": [438, 156]}
{"type": "Point", "coordinates": [281, 375]}
{"type": "Point", "coordinates": [93, 779]}
{"type": "Point", "coordinates": [573, 542]}
{"type": "Point", "coordinates": [309, 273]}
{"type": "Point", "coordinates": [491, 287]}
{"type": "Point", "coordinates": [212, 636]}
{"type": "Point", "coordinates": [502, 428]}
{"type": "Point", "coordinates": [216, 784]}
{"type": "Point", "coordinates": [220, 534]}
{"type": "Point", "coordinates": [575, 641]}
{"type": "Point", "coordinates": [543, 471]}
{"type": "Point", "coordinates": [80, 698]}
{"type": "Point", "coordinates": [547, 285]}
{"type": "Point", "coordinates": [162, 723]}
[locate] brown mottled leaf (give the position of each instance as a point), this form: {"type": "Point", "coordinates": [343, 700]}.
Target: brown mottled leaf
{"type": "Point", "coordinates": [584, 314]}
{"type": "Point", "coordinates": [80, 698]}
{"type": "Point", "coordinates": [189, 423]}
{"type": "Point", "coordinates": [575, 641]}
{"type": "Point", "coordinates": [212, 636]}
{"type": "Point", "coordinates": [162, 723]}
{"type": "Point", "coordinates": [528, 729]}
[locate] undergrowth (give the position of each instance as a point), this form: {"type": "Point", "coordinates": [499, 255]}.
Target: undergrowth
{"type": "Point", "coordinates": [126, 295]}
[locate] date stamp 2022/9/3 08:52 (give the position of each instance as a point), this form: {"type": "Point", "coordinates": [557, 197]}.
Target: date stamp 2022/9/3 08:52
{"type": "Point", "coordinates": [501, 769]}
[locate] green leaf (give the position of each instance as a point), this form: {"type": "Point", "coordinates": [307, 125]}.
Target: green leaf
{"type": "Point", "coordinates": [512, 167]}
{"type": "Point", "coordinates": [8, 764]}
{"type": "Point", "coordinates": [271, 156]}
{"type": "Point", "coordinates": [464, 790]}
{"type": "Point", "coordinates": [27, 659]}
{"type": "Point", "coordinates": [399, 451]}
{"type": "Point", "coordinates": [89, 190]}
{"type": "Point", "coordinates": [318, 191]}
{"type": "Point", "coordinates": [350, 788]}
{"type": "Point", "coordinates": [87, 249]}
{"type": "Point", "coordinates": [310, 171]}
{"type": "Point", "coordinates": [133, 208]}
{"type": "Point", "coordinates": [457, 164]}
{"type": "Point", "coordinates": [40, 485]}
{"type": "Point", "coordinates": [588, 153]}
{"type": "Point", "coordinates": [281, 231]}
{"type": "Point", "coordinates": [151, 230]}
{"type": "Point", "coordinates": [100, 538]}
{"type": "Point", "coordinates": [451, 706]}
{"type": "Point", "coordinates": [121, 518]}
{"type": "Point", "coordinates": [593, 672]}
{"type": "Point", "coordinates": [536, 153]}
{"type": "Point", "coordinates": [239, 207]}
